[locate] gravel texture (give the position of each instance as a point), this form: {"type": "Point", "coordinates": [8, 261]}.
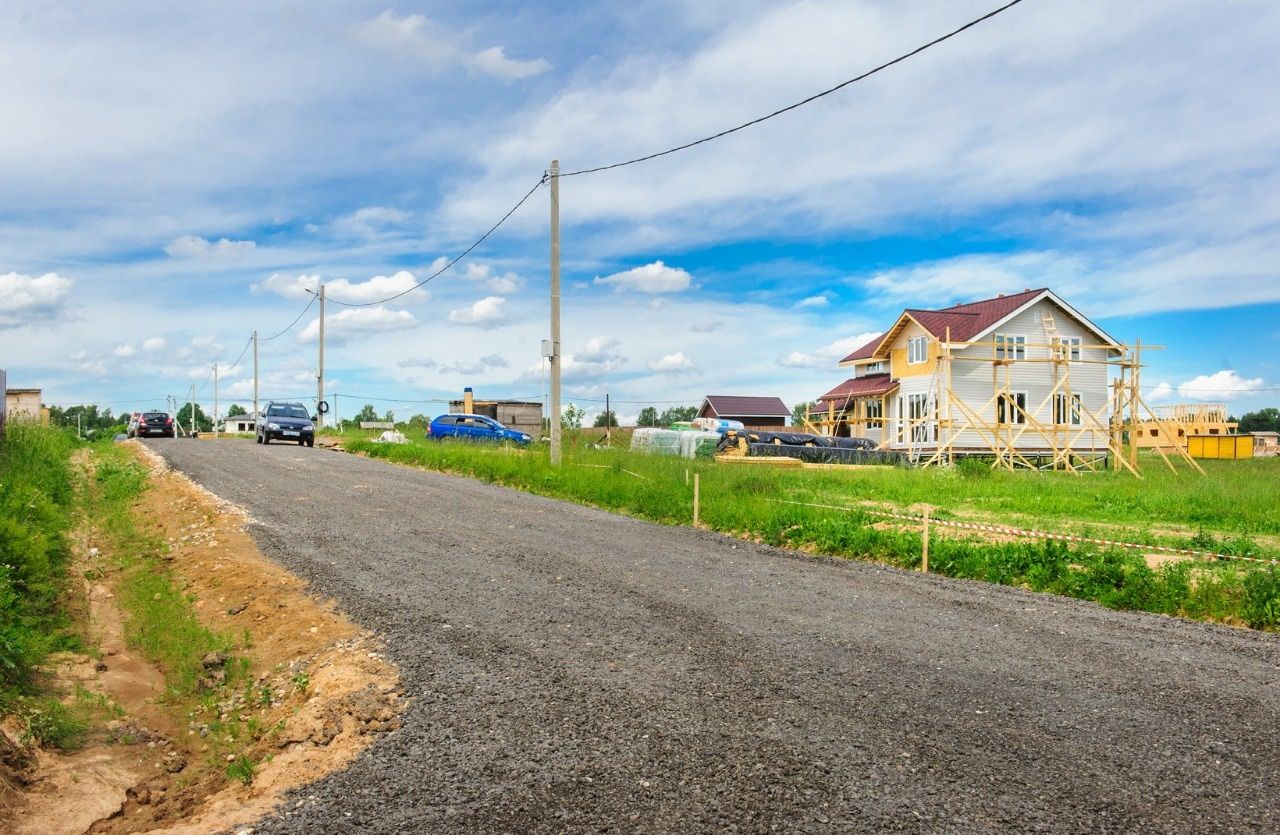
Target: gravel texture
{"type": "Point", "coordinates": [575, 670]}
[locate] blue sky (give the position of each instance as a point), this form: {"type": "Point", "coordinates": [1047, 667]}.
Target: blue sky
{"type": "Point", "coordinates": [176, 176]}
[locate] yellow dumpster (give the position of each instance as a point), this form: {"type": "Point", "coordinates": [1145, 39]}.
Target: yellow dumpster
{"type": "Point", "coordinates": [1230, 447]}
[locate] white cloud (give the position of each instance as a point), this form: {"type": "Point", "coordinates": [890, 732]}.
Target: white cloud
{"type": "Point", "coordinates": [25, 299]}
{"type": "Point", "coordinates": [676, 363]}
{"type": "Point", "coordinates": [123, 351]}
{"type": "Point", "coordinates": [651, 278]}
{"type": "Point", "coordinates": [820, 300]}
{"type": "Point", "coordinates": [598, 358]}
{"type": "Point", "coordinates": [503, 284]}
{"type": "Point", "coordinates": [1220, 385]}
{"type": "Point", "coordinates": [418, 38]}
{"type": "Point", "coordinates": [1163, 391]}
{"type": "Point", "coordinates": [192, 246]}
{"type": "Point", "coordinates": [374, 289]}
{"type": "Point", "coordinates": [416, 362]}
{"type": "Point", "coordinates": [369, 222]}
{"type": "Point", "coordinates": [828, 355]}
{"type": "Point", "coordinates": [495, 62]}
{"type": "Point", "coordinates": [352, 322]}
{"type": "Point", "coordinates": [485, 313]}
{"type": "Point", "coordinates": [476, 366]}
{"type": "Point", "coordinates": [706, 326]}
{"type": "Point", "coordinates": [155, 343]}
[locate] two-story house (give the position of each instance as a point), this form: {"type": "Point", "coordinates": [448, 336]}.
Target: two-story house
{"type": "Point", "coordinates": [1021, 372]}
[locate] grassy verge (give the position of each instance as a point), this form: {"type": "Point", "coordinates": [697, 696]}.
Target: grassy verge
{"type": "Point", "coordinates": [159, 618]}
{"type": "Point", "coordinates": [1222, 510]}
{"type": "Point", "coordinates": [37, 499]}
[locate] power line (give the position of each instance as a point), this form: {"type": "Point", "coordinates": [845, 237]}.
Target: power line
{"type": "Point", "coordinates": [449, 265]}
{"type": "Point", "coordinates": [800, 103]}
{"type": "Point", "coordinates": [242, 353]}
{"type": "Point", "coordinates": [291, 324]}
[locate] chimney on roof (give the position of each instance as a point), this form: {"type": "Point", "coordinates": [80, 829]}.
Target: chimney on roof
{"type": "Point", "coordinates": [1026, 289]}
{"type": "Point", "coordinates": [999, 295]}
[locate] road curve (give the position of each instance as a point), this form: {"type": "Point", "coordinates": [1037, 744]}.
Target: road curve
{"type": "Point", "coordinates": [576, 670]}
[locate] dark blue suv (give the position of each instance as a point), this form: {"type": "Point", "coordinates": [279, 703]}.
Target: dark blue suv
{"type": "Point", "coordinates": [474, 428]}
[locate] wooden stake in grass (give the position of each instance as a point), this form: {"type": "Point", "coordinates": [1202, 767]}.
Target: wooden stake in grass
{"type": "Point", "coordinates": [924, 544]}
{"type": "Point", "coordinates": [686, 476]}
{"type": "Point", "coordinates": [696, 491]}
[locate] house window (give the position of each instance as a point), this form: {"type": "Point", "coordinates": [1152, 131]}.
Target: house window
{"type": "Point", "coordinates": [920, 407]}
{"type": "Point", "coordinates": [902, 423]}
{"type": "Point", "coordinates": [875, 413]}
{"type": "Point", "coordinates": [1067, 412]}
{"type": "Point", "coordinates": [917, 350]}
{"type": "Point", "coordinates": [873, 368]}
{"type": "Point", "coordinates": [1155, 433]}
{"type": "Point", "coordinates": [1011, 346]}
{"type": "Point", "coordinates": [1012, 407]}
{"type": "Point", "coordinates": [1067, 347]}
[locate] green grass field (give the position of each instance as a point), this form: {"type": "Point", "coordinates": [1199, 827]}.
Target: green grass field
{"type": "Point", "coordinates": [1231, 509]}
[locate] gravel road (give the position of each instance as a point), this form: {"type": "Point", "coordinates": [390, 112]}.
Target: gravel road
{"type": "Point", "coordinates": [574, 670]}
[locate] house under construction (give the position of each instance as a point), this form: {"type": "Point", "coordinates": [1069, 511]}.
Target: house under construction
{"type": "Point", "coordinates": [1183, 420]}
{"type": "Point", "coordinates": [1023, 379]}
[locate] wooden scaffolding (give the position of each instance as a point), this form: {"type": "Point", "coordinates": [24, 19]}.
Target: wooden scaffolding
{"type": "Point", "coordinates": [1068, 441]}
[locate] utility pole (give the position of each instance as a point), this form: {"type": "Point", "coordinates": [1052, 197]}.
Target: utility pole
{"type": "Point", "coordinates": [320, 371]}
{"type": "Point", "coordinates": [555, 313]}
{"type": "Point", "coordinates": [255, 375]}
{"type": "Point", "coordinates": [215, 400]}
{"type": "Point", "coordinates": [608, 422]}
{"type": "Point", "coordinates": [191, 430]}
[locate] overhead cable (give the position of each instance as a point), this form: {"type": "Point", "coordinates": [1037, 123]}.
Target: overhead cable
{"type": "Point", "coordinates": [449, 265]}
{"type": "Point", "coordinates": [294, 322]}
{"type": "Point", "coordinates": [798, 104]}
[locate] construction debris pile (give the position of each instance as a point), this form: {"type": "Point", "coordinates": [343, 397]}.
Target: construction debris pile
{"type": "Point", "coordinates": [814, 449]}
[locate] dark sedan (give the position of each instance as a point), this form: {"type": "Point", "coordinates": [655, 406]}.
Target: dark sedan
{"type": "Point", "coordinates": [152, 424]}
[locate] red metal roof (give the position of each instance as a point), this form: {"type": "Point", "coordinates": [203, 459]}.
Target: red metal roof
{"type": "Point", "coordinates": [727, 405]}
{"type": "Point", "coordinates": [867, 386]}
{"type": "Point", "coordinates": [965, 320]}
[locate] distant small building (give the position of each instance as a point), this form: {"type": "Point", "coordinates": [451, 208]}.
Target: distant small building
{"type": "Point", "coordinates": [762, 412]}
{"type": "Point", "coordinates": [241, 423]}
{"type": "Point", "coordinates": [24, 405]}
{"type": "Point", "coordinates": [1265, 444]}
{"type": "Point", "coordinates": [521, 415]}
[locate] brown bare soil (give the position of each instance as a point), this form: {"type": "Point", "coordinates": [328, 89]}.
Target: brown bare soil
{"type": "Point", "coordinates": [160, 768]}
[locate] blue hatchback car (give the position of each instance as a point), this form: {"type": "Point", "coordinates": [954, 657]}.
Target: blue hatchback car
{"type": "Point", "coordinates": [476, 428]}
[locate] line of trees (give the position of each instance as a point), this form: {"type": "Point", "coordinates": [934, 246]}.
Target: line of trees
{"type": "Point", "coordinates": [649, 415]}
{"type": "Point", "coordinates": [1263, 420]}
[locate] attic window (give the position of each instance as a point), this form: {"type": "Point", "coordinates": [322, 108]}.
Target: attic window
{"type": "Point", "coordinates": [917, 350]}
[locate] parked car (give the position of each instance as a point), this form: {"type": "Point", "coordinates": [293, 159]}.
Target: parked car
{"type": "Point", "coordinates": [476, 428]}
{"type": "Point", "coordinates": [285, 422]}
{"type": "Point", "coordinates": [151, 424]}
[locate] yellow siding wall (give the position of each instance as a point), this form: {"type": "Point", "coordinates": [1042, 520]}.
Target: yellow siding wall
{"type": "Point", "coordinates": [899, 368]}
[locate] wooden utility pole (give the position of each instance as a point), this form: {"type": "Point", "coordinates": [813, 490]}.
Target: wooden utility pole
{"type": "Point", "coordinates": [215, 400]}
{"type": "Point", "coordinates": [555, 312]}
{"type": "Point", "coordinates": [608, 422]}
{"type": "Point", "coordinates": [320, 369]}
{"type": "Point", "coordinates": [255, 376]}
{"type": "Point", "coordinates": [191, 431]}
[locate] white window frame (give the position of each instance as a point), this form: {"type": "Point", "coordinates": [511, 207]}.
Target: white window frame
{"type": "Point", "coordinates": [1011, 346]}
{"type": "Point", "coordinates": [875, 412]}
{"type": "Point", "coordinates": [917, 350]}
{"type": "Point", "coordinates": [1019, 417]}
{"type": "Point", "coordinates": [1073, 344]}
{"type": "Point", "coordinates": [873, 367]}
{"type": "Point", "coordinates": [1060, 410]}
